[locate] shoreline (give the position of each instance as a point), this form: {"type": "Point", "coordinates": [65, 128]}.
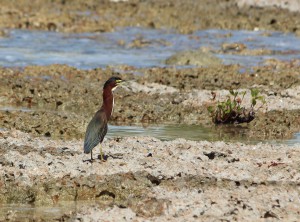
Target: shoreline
{"type": "Point", "coordinates": [146, 179]}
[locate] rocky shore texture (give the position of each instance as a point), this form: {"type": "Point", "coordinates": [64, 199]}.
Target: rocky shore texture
{"type": "Point", "coordinates": [145, 178]}
{"type": "Point", "coordinates": [184, 16]}
{"type": "Point", "coordinates": [148, 179]}
{"type": "Point", "coordinates": [45, 110]}
{"type": "Point", "coordinates": [61, 105]}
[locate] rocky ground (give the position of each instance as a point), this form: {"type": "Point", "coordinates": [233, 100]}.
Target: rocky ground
{"type": "Point", "coordinates": [59, 100]}
{"type": "Point", "coordinates": [44, 111]}
{"type": "Point", "coordinates": [145, 178]}
{"type": "Point", "coordinates": [184, 16]}
{"type": "Point", "coordinates": [148, 179]}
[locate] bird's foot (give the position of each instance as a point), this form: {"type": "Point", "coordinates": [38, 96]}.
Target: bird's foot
{"type": "Point", "coordinates": [103, 158]}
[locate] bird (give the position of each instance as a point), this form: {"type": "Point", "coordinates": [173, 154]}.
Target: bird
{"type": "Point", "coordinates": [97, 127]}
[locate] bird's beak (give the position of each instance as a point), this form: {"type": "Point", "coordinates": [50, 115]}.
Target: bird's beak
{"type": "Point", "coordinates": [119, 81]}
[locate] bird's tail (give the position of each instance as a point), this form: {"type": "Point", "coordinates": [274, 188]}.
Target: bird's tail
{"type": "Point", "coordinates": [86, 148]}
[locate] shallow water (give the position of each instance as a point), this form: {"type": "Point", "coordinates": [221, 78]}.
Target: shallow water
{"type": "Point", "coordinates": [28, 212]}
{"type": "Point", "coordinates": [194, 132]}
{"type": "Point", "coordinates": [228, 133]}
{"type": "Point", "coordinates": [91, 50]}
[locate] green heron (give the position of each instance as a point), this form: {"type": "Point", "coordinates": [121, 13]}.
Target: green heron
{"type": "Point", "coordinates": [97, 128]}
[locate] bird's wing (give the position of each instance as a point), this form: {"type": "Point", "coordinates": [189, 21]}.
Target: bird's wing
{"type": "Point", "coordinates": [95, 131]}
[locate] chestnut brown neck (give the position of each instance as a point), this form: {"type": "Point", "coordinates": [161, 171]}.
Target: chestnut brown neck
{"type": "Point", "coordinates": [108, 101]}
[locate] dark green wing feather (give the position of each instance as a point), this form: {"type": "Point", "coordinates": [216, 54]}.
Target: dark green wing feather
{"type": "Point", "coordinates": [95, 131]}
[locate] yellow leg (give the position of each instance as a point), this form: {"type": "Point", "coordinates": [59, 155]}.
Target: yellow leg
{"type": "Point", "coordinates": [101, 153]}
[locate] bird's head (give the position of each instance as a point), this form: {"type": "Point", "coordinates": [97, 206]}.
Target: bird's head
{"type": "Point", "coordinates": [113, 83]}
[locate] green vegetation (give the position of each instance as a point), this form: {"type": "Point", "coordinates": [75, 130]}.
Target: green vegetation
{"type": "Point", "coordinates": [231, 111]}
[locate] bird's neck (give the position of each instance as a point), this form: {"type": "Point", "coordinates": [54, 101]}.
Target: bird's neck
{"type": "Point", "coordinates": [108, 102]}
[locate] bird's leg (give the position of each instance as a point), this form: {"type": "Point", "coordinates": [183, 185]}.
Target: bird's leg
{"type": "Point", "coordinates": [101, 153]}
{"type": "Point", "coordinates": [91, 155]}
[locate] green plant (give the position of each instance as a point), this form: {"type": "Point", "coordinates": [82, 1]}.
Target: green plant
{"type": "Point", "coordinates": [255, 97]}
{"type": "Point", "coordinates": [231, 110]}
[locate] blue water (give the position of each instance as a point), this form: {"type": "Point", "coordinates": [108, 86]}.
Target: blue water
{"type": "Point", "coordinates": [92, 50]}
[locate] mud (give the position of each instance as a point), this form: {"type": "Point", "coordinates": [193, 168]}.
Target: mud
{"type": "Point", "coordinates": [105, 16]}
